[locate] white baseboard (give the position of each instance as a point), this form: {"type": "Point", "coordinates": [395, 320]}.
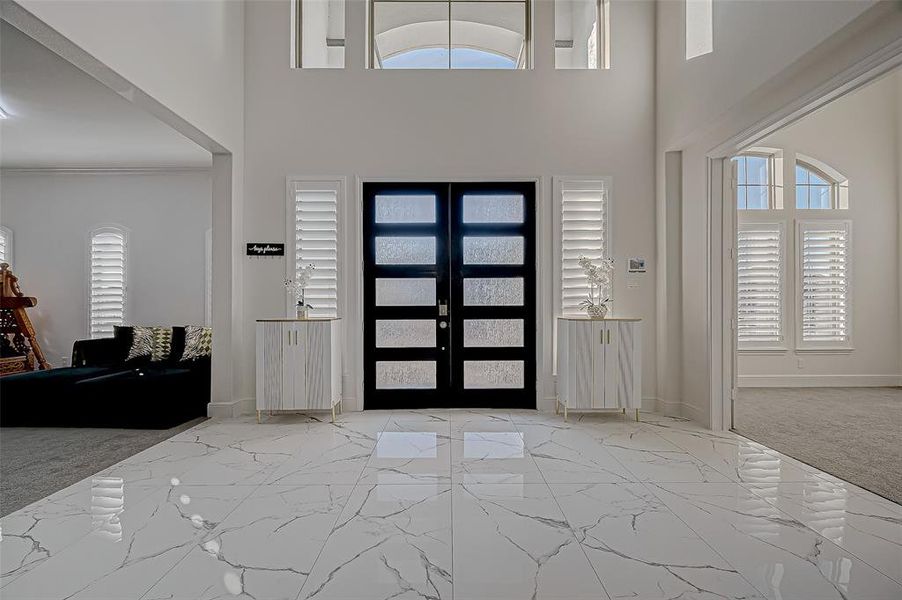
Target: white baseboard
{"type": "Point", "coordinates": [667, 407]}
{"type": "Point", "coordinates": [226, 410]}
{"type": "Point", "coordinates": [802, 381]}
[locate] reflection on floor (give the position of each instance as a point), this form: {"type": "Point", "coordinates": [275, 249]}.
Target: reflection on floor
{"type": "Point", "coordinates": [455, 504]}
{"type": "Point", "coordinates": [851, 433]}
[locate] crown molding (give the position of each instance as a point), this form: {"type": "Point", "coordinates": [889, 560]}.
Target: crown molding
{"type": "Point", "coordinates": [101, 170]}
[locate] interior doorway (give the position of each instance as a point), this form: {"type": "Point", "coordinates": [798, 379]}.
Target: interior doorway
{"type": "Point", "coordinates": [449, 295]}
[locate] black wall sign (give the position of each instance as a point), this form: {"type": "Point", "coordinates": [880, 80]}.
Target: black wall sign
{"type": "Point", "coordinates": [265, 249]}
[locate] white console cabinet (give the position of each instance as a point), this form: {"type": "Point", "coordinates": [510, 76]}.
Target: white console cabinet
{"type": "Point", "coordinates": [298, 365]}
{"type": "Point", "coordinates": [599, 364]}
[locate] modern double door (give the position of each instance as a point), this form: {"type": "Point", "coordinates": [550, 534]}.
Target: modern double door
{"type": "Point", "coordinates": [449, 295]}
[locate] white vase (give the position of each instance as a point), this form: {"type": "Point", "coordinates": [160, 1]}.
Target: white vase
{"type": "Point", "coordinates": [597, 311]}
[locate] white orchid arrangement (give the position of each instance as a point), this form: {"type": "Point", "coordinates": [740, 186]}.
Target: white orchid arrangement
{"type": "Point", "coordinates": [600, 277]}
{"type": "Point", "coordinates": [298, 286]}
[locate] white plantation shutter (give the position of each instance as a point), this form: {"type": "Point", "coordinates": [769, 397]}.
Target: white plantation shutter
{"type": "Point", "coordinates": [107, 281]}
{"type": "Point", "coordinates": [583, 233]}
{"type": "Point", "coordinates": [6, 245]}
{"type": "Point", "coordinates": [824, 249]}
{"type": "Point", "coordinates": [316, 243]}
{"type": "Point", "coordinates": [759, 281]}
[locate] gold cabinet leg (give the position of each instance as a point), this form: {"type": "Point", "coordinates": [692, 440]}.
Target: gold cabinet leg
{"type": "Point", "coordinates": [565, 412]}
{"type": "Point", "coordinates": [333, 413]}
{"type": "Point", "coordinates": [624, 411]}
{"type": "Point", "coordinates": [557, 406]}
{"type": "Point", "coordinates": [637, 415]}
{"type": "Point", "coordinates": [258, 417]}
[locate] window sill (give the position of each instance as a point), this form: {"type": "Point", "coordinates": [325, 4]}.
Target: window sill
{"type": "Point", "coordinates": [836, 350]}
{"type": "Point", "coordinates": [763, 350]}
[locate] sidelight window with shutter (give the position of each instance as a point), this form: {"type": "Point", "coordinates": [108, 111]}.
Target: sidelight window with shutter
{"type": "Point", "coordinates": [760, 285]}
{"type": "Point", "coordinates": [6, 245]}
{"type": "Point", "coordinates": [108, 280]}
{"type": "Point", "coordinates": [313, 227]}
{"type": "Point", "coordinates": [584, 232]}
{"type": "Point", "coordinates": [824, 282]}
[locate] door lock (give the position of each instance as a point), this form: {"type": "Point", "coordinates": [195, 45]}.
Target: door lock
{"type": "Point", "coordinates": [443, 309]}
{"type": "Point", "coordinates": [443, 324]}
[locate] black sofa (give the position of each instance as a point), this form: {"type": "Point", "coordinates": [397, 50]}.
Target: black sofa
{"type": "Point", "coordinates": [102, 389]}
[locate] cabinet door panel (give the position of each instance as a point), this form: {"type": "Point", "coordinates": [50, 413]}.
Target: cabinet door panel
{"type": "Point", "coordinates": [611, 370]}
{"type": "Point", "coordinates": [317, 367]}
{"type": "Point", "coordinates": [598, 364]}
{"type": "Point", "coordinates": [299, 364]}
{"type": "Point", "coordinates": [581, 340]}
{"type": "Point", "coordinates": [287, 363]}
{"type": "Point", "coordinates": [629, 382]}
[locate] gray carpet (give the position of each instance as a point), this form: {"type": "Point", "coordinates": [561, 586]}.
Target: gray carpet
{"type": "Point", "coordinates": [37, 461]}
{"type": "Point", "coordinates": [852, 433]}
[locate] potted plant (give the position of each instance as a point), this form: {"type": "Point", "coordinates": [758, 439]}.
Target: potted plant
{"type": "Point", "coordinates": [600, 277]}
{"type": "Point", "coordinates": [298, 288]}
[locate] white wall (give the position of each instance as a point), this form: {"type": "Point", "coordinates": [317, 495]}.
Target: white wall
{"type": "Point", "coordinates": [767, 56]}
{"type": "Point", "coordinates": [451, 124]}
{"type": "Point", "coordinates": [51, 215]}
{"type": "Point", "coordinates": [852, 136]}
{"type": "Point", "coordinates": [188, 56]}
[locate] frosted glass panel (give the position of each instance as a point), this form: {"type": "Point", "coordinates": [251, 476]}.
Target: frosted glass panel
{"type": "Point", "coordinates": [493, 209]}
{"type": "Point", "coordinates": [405, 292]}
{"type": "Point", "coordinates": [405, 250]}
{"type": "Point", "coordinates": [506, 250]}
{"type": "Point", "coordinates": [406, 333]}
{"type": "Point", "coordinates": [493, 374]}
{"type": "Point", "coordinates": [405, 374]}
{"type": "Point", "coordinates": [405, 209]}
{"type": "Point", "coordinates": [481, 333]}
{"type": "Point", "coordinates": [493, 291]}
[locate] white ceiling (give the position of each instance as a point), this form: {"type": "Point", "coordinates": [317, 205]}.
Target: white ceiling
{"type": "Point", "coordinates": [60, 117]}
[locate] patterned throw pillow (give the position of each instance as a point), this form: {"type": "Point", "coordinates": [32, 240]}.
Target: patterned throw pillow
{"type": "Point", "coordinates": [150, 342]}
{"type": "Point", "coordinates": [198, 342]}
{"type": "Point", "coordinates": [142, 343]}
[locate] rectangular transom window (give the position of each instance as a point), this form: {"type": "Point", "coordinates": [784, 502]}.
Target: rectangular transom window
{"type": "Point", "coordinates": [108, 280]}
{"type": "Point", "coordinates": [581, 34]}
{"type": "Point", "coordinates": [318, 34]}
{"type": "Point", "coordinates": [584, 229]}
{"type": "Point", "coordinates": [449, 34]}
{"type": "Point", "coordinates": [825, 257]}
{"type": "Point", "coordinates": [760, 284]}
{"type": "Point", "coordinates": [314, 229]}
{"type": "Point", "coordinates": [699, 28]}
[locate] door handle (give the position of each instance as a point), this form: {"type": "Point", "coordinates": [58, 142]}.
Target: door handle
{"type": "Point", "coordinates": [609, 336]}
{"type": "Point", "coordinates": [288, 334]}
{"type": "Point", "coordinates": [295, 338]}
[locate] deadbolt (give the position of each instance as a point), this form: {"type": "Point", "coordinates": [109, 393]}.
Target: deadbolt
{"type": "Point", "coordinates": [443, 309]}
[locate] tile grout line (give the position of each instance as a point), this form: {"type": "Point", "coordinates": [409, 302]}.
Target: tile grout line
{"type": "Point", "coordinates": [563, 514]}
{"type": "Point", "coordinates": [343, 508]}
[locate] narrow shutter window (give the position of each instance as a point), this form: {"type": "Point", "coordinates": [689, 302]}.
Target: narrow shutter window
{"type": "Point", "coordinates": [825, 250]}
{"type": "Point", "coordinates": [583, 233]}
{"type": "Point", "coordinates": [759, 264]}
{"type": "Point", "coordinates": [316, 243]}
{"type": "Point", "coordinates": [107, 281]}
{"type": "Point", "coordinates": [6, 245]}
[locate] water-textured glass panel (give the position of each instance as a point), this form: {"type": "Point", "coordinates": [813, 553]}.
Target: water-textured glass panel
{"type": "Point", "coordinates": [505, 250]}
{"type": "Point", "coordinates": [481, 333]}
{"type": "Point", "coordinates": [405, 374]}
{"type": "Point", "coordinates": [405, 333]}
{"type": "Point", "coordinates": [405, 292]}
{"type": "Point", "coordinates": [493, 291]}
{"type": "Point", "coordinates": [411, 250]}
{"type": "Point", "coordinates": [405, 209]}
{"type": "Point", "coordinates": [493, 374]}
{"type": "Point", "coordinates": [493, 209]}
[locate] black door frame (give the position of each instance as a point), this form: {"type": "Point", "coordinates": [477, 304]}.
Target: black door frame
{"type": "Point", "coordinates": [449, 261]}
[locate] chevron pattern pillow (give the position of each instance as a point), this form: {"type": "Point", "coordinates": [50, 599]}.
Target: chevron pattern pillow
{"type": "Point", "coordinates": [198, 342]}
